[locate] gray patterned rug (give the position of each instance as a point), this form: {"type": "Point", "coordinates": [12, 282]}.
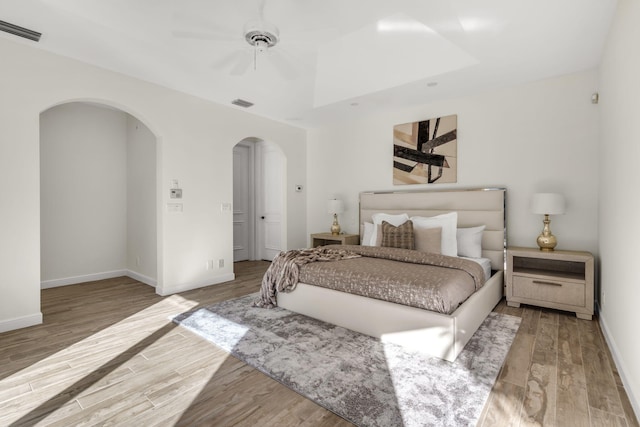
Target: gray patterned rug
{"type": "Point", "coordinates": [355, 376]}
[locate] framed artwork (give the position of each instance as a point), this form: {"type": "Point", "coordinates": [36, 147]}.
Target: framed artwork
{"type": "Point", "coordinates": [426, 152]}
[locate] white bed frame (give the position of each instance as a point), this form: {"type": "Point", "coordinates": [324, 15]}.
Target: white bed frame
{"type": "Point", "coordinates": [436, 334]}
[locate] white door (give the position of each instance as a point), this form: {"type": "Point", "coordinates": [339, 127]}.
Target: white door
{"type": "Point", "coordinates": [243, 178]}
{"type": "Point", "coordinates": [270, 204]}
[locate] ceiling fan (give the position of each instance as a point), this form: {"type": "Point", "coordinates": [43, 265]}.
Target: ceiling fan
{"type": "Point", "coordinates": [260, 37]}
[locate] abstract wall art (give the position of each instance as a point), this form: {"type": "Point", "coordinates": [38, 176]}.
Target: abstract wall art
{"type": "Point", "coordinates": [425, 152]}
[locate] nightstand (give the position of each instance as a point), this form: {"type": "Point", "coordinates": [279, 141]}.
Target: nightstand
{"type": "Point", "coordinates": [321, 239]}
{"type": "Point", "coordinates": [559, 279]}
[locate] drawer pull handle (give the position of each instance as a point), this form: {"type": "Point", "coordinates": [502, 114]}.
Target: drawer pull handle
{"type": "Point", "coordinates": [542, 282]}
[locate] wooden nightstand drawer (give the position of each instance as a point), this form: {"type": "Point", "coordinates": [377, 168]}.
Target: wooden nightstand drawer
{"type": "Point", "coordinates": [555, 291]}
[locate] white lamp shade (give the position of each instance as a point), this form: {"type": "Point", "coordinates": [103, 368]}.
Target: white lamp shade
{"type": "Point", "coordinates": [547, 204]}
{"type": "Point", "coordinates": [335, 206]}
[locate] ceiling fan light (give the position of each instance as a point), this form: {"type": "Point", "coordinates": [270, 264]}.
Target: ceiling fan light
{"type": "Point", "coordinates": [261, 37]}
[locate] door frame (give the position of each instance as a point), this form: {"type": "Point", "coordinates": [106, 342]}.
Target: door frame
{"type": "Point", "coordinates": [251, 205]}
{"type": "Point", "coordinates": [256, 231]}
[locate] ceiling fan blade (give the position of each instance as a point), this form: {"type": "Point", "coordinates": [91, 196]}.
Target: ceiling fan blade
{"type": "Point", "coordinates": [261, 9]}
{"type": "Point", "coordinates": [227, 60]}
{"type": "Point", "coordinates": [312, 36]}
{"type": "Point", "coordinates": [197, 35]}
{"type": "Point", "coordinates": [195, 27]}
{"type": "Point", "coordinates": [283, 65]}
{"type": "Point", "coordinates": [182, 19]}
{"type": "Point", "coordinates": [243, 61]}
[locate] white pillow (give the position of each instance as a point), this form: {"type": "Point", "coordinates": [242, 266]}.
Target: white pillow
{"type": "Point", "coordinates": [449, 224]}
{"type": "Point", "coordinates": [470, 241]}
{"type": "Point", "coordinates": [395, 220]}
{"type": "Point", "coordinates": [367, 234]}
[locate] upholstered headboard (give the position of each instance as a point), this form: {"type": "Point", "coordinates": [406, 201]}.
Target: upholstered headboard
{"type": "Point", "coordinates": [482, 206]}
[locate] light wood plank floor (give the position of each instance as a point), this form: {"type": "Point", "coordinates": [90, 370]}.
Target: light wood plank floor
{"type": "Point", "coordinates": [107, 354]}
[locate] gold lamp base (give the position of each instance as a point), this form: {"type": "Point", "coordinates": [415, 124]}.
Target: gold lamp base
{"type": "Point", "coordinates": [335, 227]}
{"type": "Point", "coordinates": [547, 241]}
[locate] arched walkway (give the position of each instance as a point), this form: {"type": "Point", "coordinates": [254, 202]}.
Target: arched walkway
{"type": "Point", "coordinates": [98, 195]}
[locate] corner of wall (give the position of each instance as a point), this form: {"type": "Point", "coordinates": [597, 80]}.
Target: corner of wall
{"type": "Point", "coordinates": [162, 291]}
{"type": "Point", "coordinates": [142, 278]}
{"type": "Point", "coordinates": [21, 322]}
{"type": "Point", "coordinates": [622, 368]}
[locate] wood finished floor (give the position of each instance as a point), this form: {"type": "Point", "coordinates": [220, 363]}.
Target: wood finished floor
{"type": "Point", "coordinates": [107, 354]}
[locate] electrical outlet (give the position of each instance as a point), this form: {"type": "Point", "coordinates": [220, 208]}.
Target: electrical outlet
{"type": "Point", "coordinates": [221, 263]}
{"type": "Point", "coordinates": [210, 264]}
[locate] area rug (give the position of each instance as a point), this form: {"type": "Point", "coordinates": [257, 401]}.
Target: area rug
{"type": "Point", "coordinates": [361, 379]}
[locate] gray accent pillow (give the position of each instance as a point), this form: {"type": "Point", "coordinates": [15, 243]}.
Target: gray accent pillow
{"type": "Point", "coordinates": [398, 237]}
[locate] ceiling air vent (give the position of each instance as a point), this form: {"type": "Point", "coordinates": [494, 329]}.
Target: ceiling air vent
{"type": "Point", "coordinates": [242, 103]}
{"type": "Point", "coordinates": [19, 31]}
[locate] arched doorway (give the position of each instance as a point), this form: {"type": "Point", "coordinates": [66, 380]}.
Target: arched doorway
{"type": "Point", "coordinates": [98, 195]}
{"type": "Point", "coordinates": [259, 200]}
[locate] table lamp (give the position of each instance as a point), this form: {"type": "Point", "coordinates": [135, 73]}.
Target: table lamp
{"type": "Point", "coordinates": [335, 207]}
{"type": "Point", "coordinates": [547, 204]}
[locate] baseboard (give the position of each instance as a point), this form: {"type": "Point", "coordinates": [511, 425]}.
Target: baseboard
{"type": "Point", "coordinates": [81, 279]}
{"type": "Point", "coordinates": [142, 278]}
{"type": "Point", "coordinates": [200, 284]}
{"type": "Point", "coordinates": [21, 322]}
{"type": "Point", "coordinates": [622, 370]}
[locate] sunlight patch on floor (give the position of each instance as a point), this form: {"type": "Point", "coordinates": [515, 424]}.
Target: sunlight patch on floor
{"type": "Point", "coordinates": [93, 370]}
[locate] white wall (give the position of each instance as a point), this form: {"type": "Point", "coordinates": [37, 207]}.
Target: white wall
{"type": "Point", "coordinates": [195, 143]}
{"type": "Point", "coordinates": [83, 186]}
{"type": "Point", "coordinates": [142, 204]}
{"type": "Point", "coordinates": [619, 199]}
{"type": "Point", "coordinates": [537, 137]}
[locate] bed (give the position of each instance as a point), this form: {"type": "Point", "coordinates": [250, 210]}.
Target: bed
{"type": "Point", "coordinates": [437, 334]}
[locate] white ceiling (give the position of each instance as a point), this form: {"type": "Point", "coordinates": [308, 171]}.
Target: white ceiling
{"type": "Point", "coordinates": [336, 59]}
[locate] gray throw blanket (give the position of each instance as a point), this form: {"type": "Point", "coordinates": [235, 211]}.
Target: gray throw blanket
{"type": "Point", "coordinates": [282, 275]}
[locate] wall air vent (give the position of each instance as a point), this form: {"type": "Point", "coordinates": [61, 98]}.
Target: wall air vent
{"type": "Point", "coordinates": [242, 103]}
{"type": "Point", "coordinates": [19, 31]}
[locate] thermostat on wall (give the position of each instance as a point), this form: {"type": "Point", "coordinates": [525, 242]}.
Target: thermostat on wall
{"type": "Point", "coordinates": [175, 193]}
